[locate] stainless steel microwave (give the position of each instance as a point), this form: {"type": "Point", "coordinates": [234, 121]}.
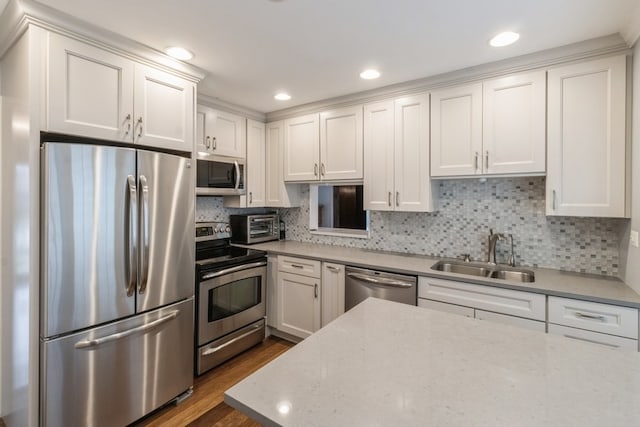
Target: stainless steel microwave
{"type": "Point", "coordinates": [219, 176]}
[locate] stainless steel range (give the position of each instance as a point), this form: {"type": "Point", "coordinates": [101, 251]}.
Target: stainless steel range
{"type": "Point", "coordinates": [230, 291]}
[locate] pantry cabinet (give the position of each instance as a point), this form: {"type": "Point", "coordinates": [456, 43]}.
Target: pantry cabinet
{"type": "Point", "coordinates": [495, 127]}
{"type": "Point", "coordinates": [94, 93]}
{"type": "Point", "coordinates": [396, 137]}
{"type": "Point", "coordinates": [277, 193]}
{"type": "Point", "coordinates": [324, 147]}
{"type": "Point", "coordinates": [586, 165]}
{"type": "Point", "coordinates": [220, 133]}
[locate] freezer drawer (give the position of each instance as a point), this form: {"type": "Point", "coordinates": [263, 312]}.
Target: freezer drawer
{"type": "Point", "coordinates": [114, 374]}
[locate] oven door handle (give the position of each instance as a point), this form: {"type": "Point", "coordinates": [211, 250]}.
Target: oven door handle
{"type": "Point", "coordinates": [234, 269]}
{"type": "Point", "coordinates": [212, 350]}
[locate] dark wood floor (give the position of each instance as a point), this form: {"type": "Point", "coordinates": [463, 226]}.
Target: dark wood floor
{"type": "Point", "coordinates": [206, 406]}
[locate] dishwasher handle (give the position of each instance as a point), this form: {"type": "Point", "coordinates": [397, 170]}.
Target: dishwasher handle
{"type": "Point", "coordinates": [382, 281]}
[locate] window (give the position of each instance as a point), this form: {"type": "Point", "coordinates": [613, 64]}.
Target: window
{"type": "Point", "coordinates": [338, 210]}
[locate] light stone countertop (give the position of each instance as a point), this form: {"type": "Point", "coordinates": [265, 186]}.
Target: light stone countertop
{"type": "Point", "coordinates": [550, 282]}
{"type": "Point", "coordinates": [389, 364]}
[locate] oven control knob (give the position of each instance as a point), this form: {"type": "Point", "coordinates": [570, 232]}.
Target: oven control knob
{"type": "Point", "coordinates": [227, 229]}
{"type": "Point", "coordinates": [218, 229]}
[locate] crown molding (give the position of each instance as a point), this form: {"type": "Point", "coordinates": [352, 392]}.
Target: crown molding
{"type": "Point", "coordinates": [599, 47]}
{"type": "Point", "coordinates": [217, 103]}
{"type": "Point", "coordinates": [19, 14]}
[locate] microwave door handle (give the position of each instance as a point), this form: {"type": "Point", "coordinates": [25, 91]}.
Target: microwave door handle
{"type": "Point", "coordinates": [237, 167]}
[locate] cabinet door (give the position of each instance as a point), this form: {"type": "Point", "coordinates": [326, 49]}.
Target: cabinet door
{"type": "Point", "coordinates": [228, 134]}
{"type": "Point", "coordinates": [332, 291]}
{"type": "Point", "coordinates": [90, 91]}
{"type": "Point", "coordinates": [298, 304]}
{"type": "Point", "coordinates": [302, 148]}
{"type": "Point", "coordinates": [456, 131]}
{"type": "Point", "coordinates": [255, 164]}
{"type": "Point", "coordinates": [203, 140]}
{"type": "Point", "coordinates": [341, 149]}
{"type": "Point", "coordinates": [586, 139]}
{"type": "Point", "coordinates": [164, 110]}
{"type": "Point", "coordinates": [513, 117]}
{"type": "Point", "coordinates": [278, 195]}
{"type": "Point", "coordinates": [272, 291]}
{"type": "Point", "coordinates": [411, 144]}
{"type": "Point", "coordinates": [379, 189]}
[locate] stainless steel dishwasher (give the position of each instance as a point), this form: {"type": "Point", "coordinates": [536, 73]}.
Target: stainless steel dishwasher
{"type": "Point", "coordinates": [361, 283]}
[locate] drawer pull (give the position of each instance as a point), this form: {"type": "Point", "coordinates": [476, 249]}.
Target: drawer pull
{"type": "Point", "coordinates": [297, 266]}
{"type": "Point", "coordinates": [591, 316]}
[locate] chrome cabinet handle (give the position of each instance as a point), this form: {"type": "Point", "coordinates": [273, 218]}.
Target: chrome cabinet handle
{"type": "Point", "coordinates": [215, 142]}
{"type": "Point", "coordinates": [118, 336]}
{"type": "Point", "coordinates": [128, 120]}
{"type": "Point", "coordinates": [476, 160]}
{"type": "Point", "coordinates": [212, 350]}
{"type": "Point", "coordinates": [144, 231]}
{"type": "Point", "coordinates": [389, 198]}
{"type": "Point", "coordinates": [132, 236]}
{"type": "Point", "coordinates": [250, 197]}
{"type": "Point", "coordinates": [380, 281]}
{"type": "Point", "coordinates": [315, 290]}
{"type": "Point", "coordinates": [553, 200]}
{"type": "Point", "coordinates": [332, 268]}
{"type": "Point", "coordinates": [486, 158]}
{"type": "Point", "coordinates": [591, 316]}
{"type": "Point", "coordinates": [140, 128]}
{"type": "Point", "coordinates": [207, 142]}
{"type": "Point", "coordinates": [397, 198]}
{"type": "Point", "coordinates": [322, 171]}
{"type": "Point", "coordinates": [297, 266]}
{"type": "Point", "coordinates": [315, 169]}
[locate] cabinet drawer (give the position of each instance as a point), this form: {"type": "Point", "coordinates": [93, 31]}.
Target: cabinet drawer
{"type": "Point", "coordinates": [499, 300]}
{"type": "Point", "coordinates": [593, 316]}
{"type": "Point", "coordinates": [594, 337]}
{"type": "Point", "coordinates": [533, 325]}
{"type": "Point", "coordinates": [304, 267]}
{"type": "Point", "coordinates": [449, 308]}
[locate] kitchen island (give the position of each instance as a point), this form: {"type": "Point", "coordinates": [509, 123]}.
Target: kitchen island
{"type": "Point", "coordinates": [384, 363]}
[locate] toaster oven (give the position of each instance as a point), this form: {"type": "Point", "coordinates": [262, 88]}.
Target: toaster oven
{"type": "Point", "coordinates": [254, 228]}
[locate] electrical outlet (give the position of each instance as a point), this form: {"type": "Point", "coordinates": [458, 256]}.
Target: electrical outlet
{"type": "Point", "coordinates": [633, 238]}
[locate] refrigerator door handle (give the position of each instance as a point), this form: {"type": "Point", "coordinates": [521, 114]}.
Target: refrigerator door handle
{"type": "Point", "coordinates": [131, 237]}
{"type": "Point", "coordinates": [144, 231]}
{"type": "Point", "coordinates": [88, 344]}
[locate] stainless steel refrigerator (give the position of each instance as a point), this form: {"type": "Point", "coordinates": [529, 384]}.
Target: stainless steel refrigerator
{"type": "Point", "coordinates": [117, 282]}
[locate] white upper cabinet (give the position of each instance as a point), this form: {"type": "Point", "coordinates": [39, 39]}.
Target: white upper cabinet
{"type": "Point", "coordinates": [220, 133]}
{"type": "Point", "coordinates": [341, 148]}
{"type": "Point", "coordinates": [163, 106]}
{"type": "Point", "coordinates": [396, 137]}
{"type": "Point", "coordinates": [324, 147]}
{"type": "Point", "coordinates": [514, 124]}
{"type": "Point", "coordinates": [98, 94]}
{"type": "Point", "coordinates": [301, 148]}
{"type": "Point", "coordinates": [496, 127]}
{"type": "Point", "coordinates": [277, 193]}
{"type": "Point", "coordinates": [255, 164]}
{"type": "Point", "coordinates": [456, 131]}
{"type": "Point", "coordinates": [586, 169]}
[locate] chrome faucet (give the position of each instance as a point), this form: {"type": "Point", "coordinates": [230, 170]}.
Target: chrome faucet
{"type": "Point", "coordinates": [512, 258]}
{"type": "Point", "coordinates": [493, 239]}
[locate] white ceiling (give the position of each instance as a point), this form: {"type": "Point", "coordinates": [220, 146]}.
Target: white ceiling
{"type": "Point", "coordinates": [315, 49]}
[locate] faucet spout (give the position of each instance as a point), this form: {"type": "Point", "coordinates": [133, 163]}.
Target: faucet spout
{"type": "Point", "coordinates": [493, 240]}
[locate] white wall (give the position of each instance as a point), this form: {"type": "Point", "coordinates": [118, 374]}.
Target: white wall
{"type": "Point", "coordinates": [632, 270]}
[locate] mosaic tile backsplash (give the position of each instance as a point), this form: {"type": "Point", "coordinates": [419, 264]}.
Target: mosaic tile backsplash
{"type": "Point", "coordinates": [467, 209]}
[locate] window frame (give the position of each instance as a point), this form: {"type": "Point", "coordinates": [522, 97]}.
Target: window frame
{"type": "Point", "coordinates": [327, 231]}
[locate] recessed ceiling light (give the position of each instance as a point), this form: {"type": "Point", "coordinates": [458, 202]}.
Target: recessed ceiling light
{"type": "Point", "coordinates": [504, 39]}
{"type": "Point", "coordinates": [179, 53]}
{"type": "Point", "coordinates": [282, 96]}
{"type": "Point", "coordinates": [370, 74]}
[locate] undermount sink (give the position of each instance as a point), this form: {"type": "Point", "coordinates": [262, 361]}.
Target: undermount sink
{"type": "Point", "coordinates": [484, 270]}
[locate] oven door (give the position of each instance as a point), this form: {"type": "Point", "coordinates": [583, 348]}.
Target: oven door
{"type": "Point", "coordinates": [230, 299]}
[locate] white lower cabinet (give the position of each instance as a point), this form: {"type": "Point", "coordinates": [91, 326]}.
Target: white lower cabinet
{"type": "Point", "coordinates": [272, 291]}
{"type": "Point", "coordinates": [448, 308]}
{"type": "Point", "coordinates": [298, 299]}
{"type": "Point", "coordinates": [606, 324]}
{"type": "Point", "coordinates": [332, 291]}
{"type": "Point", "coordinates": [534, 325]}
